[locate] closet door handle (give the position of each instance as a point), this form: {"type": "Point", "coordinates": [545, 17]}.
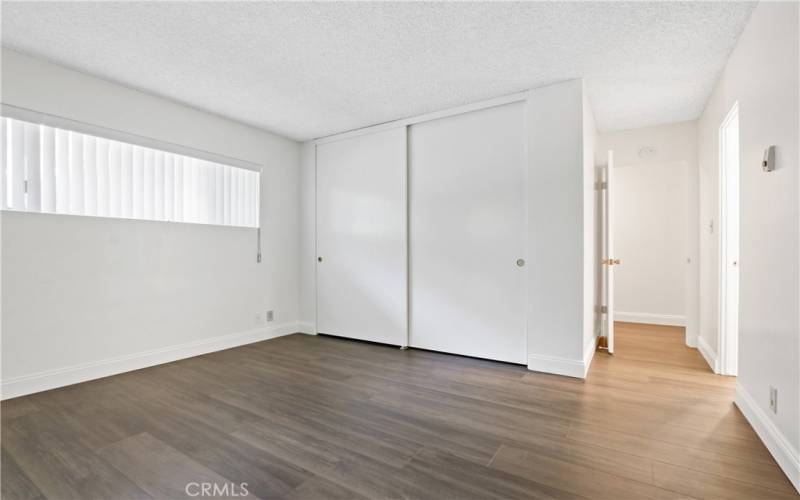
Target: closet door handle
{"type": "Point", "coordinates": [319, 259]}
{"type": "Point", "coordinates": [520, 262]}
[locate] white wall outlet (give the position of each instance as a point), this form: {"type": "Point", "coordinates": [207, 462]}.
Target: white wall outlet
{"type": "Point", "coordinates": [773, 399]}
{"type": "Point", "coordinates": [270, 315]}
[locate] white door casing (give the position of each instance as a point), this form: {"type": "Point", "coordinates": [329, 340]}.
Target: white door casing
{"type": "Point", "coordinates": [727, 340]}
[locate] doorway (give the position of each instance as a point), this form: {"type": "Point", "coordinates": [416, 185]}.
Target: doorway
{"type": "Point", "coordinates": [728, 339]}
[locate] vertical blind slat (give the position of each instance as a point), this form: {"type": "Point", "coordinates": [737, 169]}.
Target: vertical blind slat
{"type": "Point", "coordinates": [90, 177]}
{"type": "Point", "coordinates": [62, 171]}
{"type": "Point", "coordinates": [114, 161]}
{"type": "Point", "coordinates": [75, 143]}
{"type": "Point", "coordinates": [240, 196]}
{"type": "Point", "coordinates": [258, 199]}
{"type": "Point", "coordinates": [33, 172]}
{"type": "Point", "coordinates": [169, 187]}
{"type": "Point", "coordinates": [248, 198]}
{"type": "Point", "coordinates": [126, 180]}
{"type": "Point", "coordinates": [179, 185]}
{"type": "Point", "coordinates": [205, 188]}
{"type": "Point", "coordinates": [235, 212]}
{"type": "Point", "coordinates": [226, 196]}
{"type": "Point", "coordinates": [158, 181]}
{"type": "Point", "coordinates": [16, 178]}
{"type": "Point", "coordinates": [188, 190]}
{"type": "Point", "coordinates": [149, 183]}
{"type": "Point", "coordinates": [138, 183]}
{"type": "Point", "coordinates": [219, 199]}
{"type": "Point", "coordinates": [48, 169]}
{"type": "Point", "coordinates": [3, 162]}
{"type": "Point", "coordinates": [52, 170]}
{"type": "Point", "coordinates": [211, 193]}
{"type": "Point", "coordinates": [103, 177]}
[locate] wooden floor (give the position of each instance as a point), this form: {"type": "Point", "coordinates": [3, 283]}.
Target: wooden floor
{"type": "Point", "coordinates": [303, 417]}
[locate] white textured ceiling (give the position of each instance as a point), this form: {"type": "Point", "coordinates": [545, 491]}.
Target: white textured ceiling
{"type": "Point", "coordinates": [308, 70]}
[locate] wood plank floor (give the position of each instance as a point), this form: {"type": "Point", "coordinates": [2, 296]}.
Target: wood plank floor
{"type": "Point", "coordinates": [304, 417]}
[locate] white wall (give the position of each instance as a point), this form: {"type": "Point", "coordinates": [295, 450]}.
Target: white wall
{"type": "Point", "coordinates": [591, 235]}
{"type": "Point", "coordinates": [561, 230]}
{"type": "Point", "coordinates": [762, 75]}
{"type": "Point", "coordinates": [656, 224]}
{"type": "Point", "coordinates": [79, 291]}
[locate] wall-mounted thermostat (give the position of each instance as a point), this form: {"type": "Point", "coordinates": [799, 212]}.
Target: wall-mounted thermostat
{"type": "Point", "coordinates": [768, 165]}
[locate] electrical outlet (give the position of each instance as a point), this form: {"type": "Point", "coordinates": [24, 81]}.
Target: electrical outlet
{"type": "Point", "coordinates": [773, 399]}
{"type": "Point", "coordinates": [257, 319]}
{"type": "Point", "coordinates": [270, 315]}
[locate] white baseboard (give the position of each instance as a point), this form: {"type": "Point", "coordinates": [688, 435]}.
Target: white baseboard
{"type": "Point", "coordinates": [650, 318]}
{"type": "Point", "coordinates": [588, 354]}
{"type": "Point", "coordinates": [307, 327]}
{"type": "Point", "coordinates": [691, 342]}
{"type": "Point", "coordinates": [781, 449]}
{"type": "Point", "coordinates": [708, 354]}
{"type": "Point", "coordinates": [577, 368]}
{"type": "Point", "coordinates": [51, 379]}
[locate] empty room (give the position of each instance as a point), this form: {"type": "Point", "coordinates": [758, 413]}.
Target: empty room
{"type": "Point", "coordinates": [400, 250]}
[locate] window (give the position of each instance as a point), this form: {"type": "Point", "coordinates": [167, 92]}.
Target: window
{"type": "Point", "coordinates": [52, 170]}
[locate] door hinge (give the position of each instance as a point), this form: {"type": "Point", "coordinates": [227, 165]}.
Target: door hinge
{"type": "Point", "coordinates": [600, 185]}
{"type": "Point", "coordinates": [603, 309]}
{"type": "Point", "coordinates": [25, 186]}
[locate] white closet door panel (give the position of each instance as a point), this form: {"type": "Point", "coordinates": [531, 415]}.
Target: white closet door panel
{"type": "Point", "coordinates": [361, 237]}
{"type": "Point", "coordinates": [467, 208]}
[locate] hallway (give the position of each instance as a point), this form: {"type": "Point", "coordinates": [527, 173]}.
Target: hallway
{"type": "Point", "coordinates": [686, 424]}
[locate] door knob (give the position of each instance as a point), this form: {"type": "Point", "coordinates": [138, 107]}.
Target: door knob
{"type": "Point", "coordinates": [319, 259]}
{"type": "Point", "coordinates": [520, 262]}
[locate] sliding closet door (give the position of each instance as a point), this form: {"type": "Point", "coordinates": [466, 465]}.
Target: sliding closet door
{"type": "Point", "coordinates": [361, 237]}
{"type": "Point", "coordinates": [467, 235]}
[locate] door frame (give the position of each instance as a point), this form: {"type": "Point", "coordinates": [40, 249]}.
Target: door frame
{"type": "Point", "coordinates": [727, 347]}
{"type": "Point", "coordinates": [607, 260]}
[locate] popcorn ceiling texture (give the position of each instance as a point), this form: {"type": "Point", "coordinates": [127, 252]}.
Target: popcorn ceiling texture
{"type": "Point", "coordinates": [307, 70]}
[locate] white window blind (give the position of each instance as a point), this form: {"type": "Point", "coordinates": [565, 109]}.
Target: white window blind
{"type": "Point", "coordinates": [48, 169]}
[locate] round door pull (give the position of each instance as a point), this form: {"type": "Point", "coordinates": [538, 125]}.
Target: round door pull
{"type": "Point", "coordinates": [319, 259]}
{"type": "Point", "coordinates": [520, 262]}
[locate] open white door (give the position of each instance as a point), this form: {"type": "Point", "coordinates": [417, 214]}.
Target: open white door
{"type": "Point", "coordinates": [608, 253]}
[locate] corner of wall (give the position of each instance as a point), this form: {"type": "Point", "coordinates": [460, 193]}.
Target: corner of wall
{"type": "Point", "coordinates": [558, 293]}
{"type": "Point", "coordinates": [785, 454]}
{"type": "Point", "coordinates": [709, 354]}
{"type": "Point", "coordinates": [306, 265]}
